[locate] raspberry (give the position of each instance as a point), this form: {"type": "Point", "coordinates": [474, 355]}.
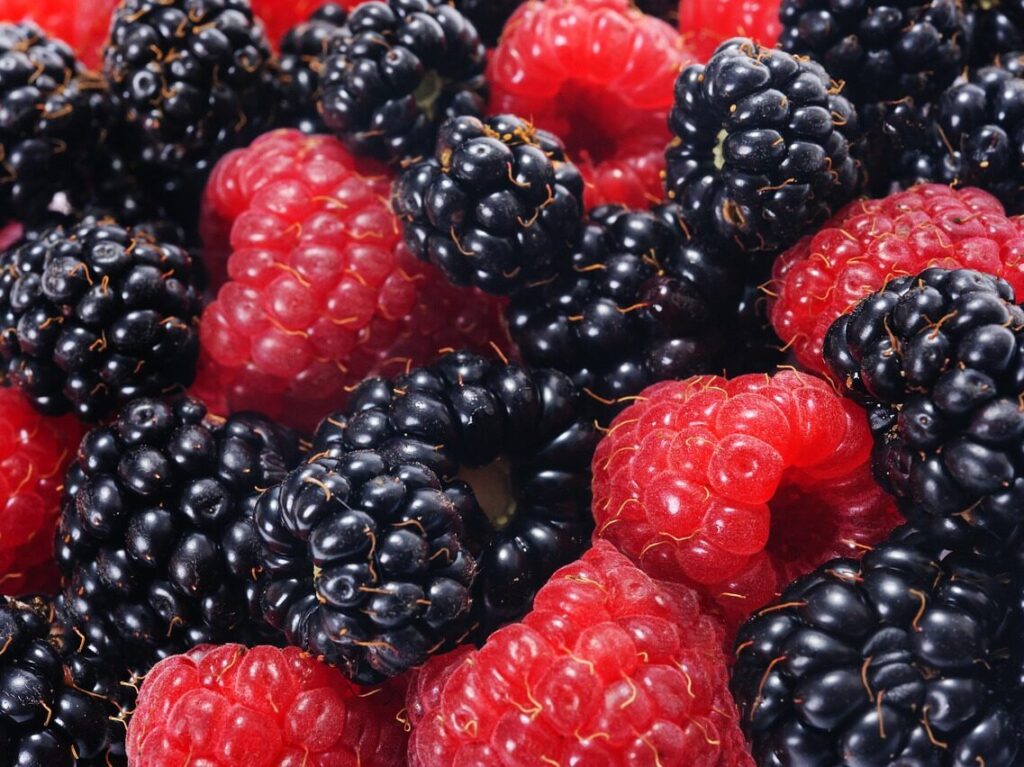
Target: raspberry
{"type": "Point", "coordinates": [82, 27]}
{"type": "Point", "coordinates": [707, 23]}
{"type": "Point", "coordinates": [599, 74]}
{"type": "Point", "coordinates": [34, 452]}
{"type": "Point", "coordinates": [222, 706]}
{"type": "Point", "coordinates": [321, 291]}
{"type": "Point", "coordinates": [736, 486]}
{"type": "Point", "coordinates": [610, 668]}
{"type": "Point", "coordinates": [872, 241]}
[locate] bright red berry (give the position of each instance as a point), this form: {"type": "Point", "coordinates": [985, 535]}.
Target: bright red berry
{"type": "Point", "coordinates": [82, 26]}
{"type": "Point", "coordinates": [611, 668]}
{"type": "Point", "coordinates": [320, 290]}
{"type": "Point", "coordinates": [599, 74]}
{"type": "Point", "coordinates": [872, 241]}
{"type": "Point", "coordinates": [35, 450]}
{"type": "Point", "coordinates": [231, 706]}
{"type": "Point", "coordinates": [706, 23]}
{"type": "Point", "coordinates": [738, 486]}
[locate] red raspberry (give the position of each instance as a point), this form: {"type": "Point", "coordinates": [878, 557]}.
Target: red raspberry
{"type": "Point", "coordinates": [321, 291]}
{"type": "Point", "coordinates": [706, 23]}
{"type": "Point", "coordinates": [35, 450]}
{"type": "Point", "coordinates": [82, 26]}
{"type": "Point", "coordinates": [610, 668]}
{"type": "Point", "coordinates": [871, 241]}
{"type": "Point", "coordinates": [262, 707]}
{"type": "Point", "coordinates": [600, 74]}
{"type": "Point", "coordinates": [738, 486]}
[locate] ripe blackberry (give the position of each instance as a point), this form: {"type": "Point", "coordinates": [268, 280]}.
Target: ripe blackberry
{"type": "Point", "coordinates": [83, 27]}
{"type": "Point", "coordinates": [395, 71]}
{"type": "Point", "coordinates": [486, 461]}
{"type": "Point", "coordinates": [156, 541]}
{"type": "Point", "coordinates": [51, 119]}
{"type": "Point", "coordinates": [499, 206]}
{"type": "Point", "coordinates": [95, 314]}
{"type": "Point", "coordinates": [192, 79]}
{"type": "Point", "coordinates": [298, 71]}
{"type": "Point", "coordinates": [46, 718]}
{"type": "Point", "coordinates": [937, 359]}
{"type": "Point", "coordinates": [994, 27]}
{"type": "Point", "coordinates": [637, 304]}
{"type": "Point", "coordinates": [894, 660]}
{"type": "Point", "coordinates": [975, 137]}
{"type": "Point", "coordinates": [761, 151]}
{"type": "Point", "coordinates": [488, 16]}
{"type": "Point", "coordinates": [667, 10]}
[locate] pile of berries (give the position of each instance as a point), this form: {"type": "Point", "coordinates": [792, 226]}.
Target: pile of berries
{"type": "Point", "coordinates": [450, 383]}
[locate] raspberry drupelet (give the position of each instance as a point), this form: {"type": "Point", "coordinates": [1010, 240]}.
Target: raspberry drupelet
{"type": "Point", "coordinates": [737, 486]}
{"type": "Point", "coordinates": [610, 668]}
{"type": "Point", "coordinates": [872, 241]}
{"type": "Point", "coordinates": [599, 74]}
{"type": "Point", "coordinates": [707, 23]}
{"type": "Point", "coordinates": [232, 706]}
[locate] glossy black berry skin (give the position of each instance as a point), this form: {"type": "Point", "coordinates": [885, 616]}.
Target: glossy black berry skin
{"type": "Point", "coordinates": [761, 147]}
{"type": "Point", "coordinates": [156, 541]}
{"type": "Point", "coordinates": [976, 136]}
{"type": "Point", "coordinates": [298, 70]}
{"type": "Point", "coordinates": [488, 16]}
{"type": "Point", "coordinates": [52, 116]}
{"type": "Point", "coordinates": [95, 314]}
{"type": "Point", "coordinates": [46, 718]}
{"type": "Point", "coordinates": [639, 303]}
{"type": "Point", "coordinates": [395, 71]}
{"type": "Point", "coordinates": [498, 206]}
{"type": "Point", "coordinates": [192, 80]}
{"type": "Point", "coordinates": [994, 28]}
{"type": "Point", "coordinates": [938, 359]}
{"type": "Point", "coordinates": [899, 659]}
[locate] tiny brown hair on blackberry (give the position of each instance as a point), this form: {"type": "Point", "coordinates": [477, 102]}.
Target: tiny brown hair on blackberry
{"type": "Point", "coordinates": [498, 206]}
{"type": "Point", "coordinates": [938, 358]}
{"type": "Point", "coordinates": [761, 147]}
{"type": "Point", "coordinates": [52, 116]}
{"type": "Point", "coordinates": [192, 79]}
{"type": "Point", "coordinates": [433, 509]}
{"type": "Point", "coordinates": [156, 541]}
{"type": "Point", "coordinates": [94, 314]}
{"type": "Point", "coordinates": [396, 70]}
{"type": "Point", "coordinates": [899, 659]}
{"type": "Point", "coordinates": [298, 70]}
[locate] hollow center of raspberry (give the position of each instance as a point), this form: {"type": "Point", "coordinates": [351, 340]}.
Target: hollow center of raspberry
{"type": "Point", "coordinates": [596, 122]}
{"type": "Point", "coordinates": [492, 486]}
{"type": "Point", "coordinates": [804, 528]}
{"type": "Point", "coordinates": [718, 152]}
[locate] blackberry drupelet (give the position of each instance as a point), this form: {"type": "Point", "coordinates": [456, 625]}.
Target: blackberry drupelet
{"type": "Point", "coordinates": [156, 540]}
{"type": "Point", "coordinates": [395, 71]}
{"type": "Point", "coordinates": [994, 27]}
{"type": "Point", "coordinates": [938, 359]}
{"type": "Point", "coordinates": [94, 314]}
{"type": "Point", "coordinates": [761, 148]}
{"type": "Point", "coordinates": [898, 659]}
{"type": "Point", "coordinates": [880, 50]}
{"type": "Point", "coordinates": [488, 16]}
{"type": "Point", "coordinates": [52, 116]}
{"type": "Point", "coordinates": [489, 460]}
{"type": "Point", "coordinates": [975, 136]}
{"type": "Point", "coordinates": [499, 206]}
{"type": "Point", "coordinates": [638, 304]}
{"type": "Point", "coordinates": [663, 9]}
{"type": "Point", "coordinates": [298, 72]}
{"type": "Point", "coordinates": [46, 718]}
{"type": "Point", "coordinates": [192, 79]}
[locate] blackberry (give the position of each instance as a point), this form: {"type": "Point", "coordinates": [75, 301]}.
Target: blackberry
{"type": "Point", "coordinates": [193, 79]}
{"type": "Point", "coordinates": [880, 50]}
{"type": "Point", "coordinates": [395, 71]}
{"type": "Point", "coordinates": [499, 206]}
{"type": "Point", "coordinates": [488, 16]}
{"type": "Point", "coordinates": [976, 137]}
{"type": "Point", "coordinates": [898, 659]}
{"type": "Point", "coordinates": [637, 304]}
{"type": "Point", "coordinates": [994, 27]}
{"type": "Point", "coordinates": [156, 541]}
{"type": "Point", "coordinates": [938, 359]}
{"type": "Point", "coordinates": [667, 10]}
{"type": "Point", "coordinates": [94, 314]}
{"type": "Point", "coordinates": [761, 148]}
{"type": "Point", "coordinates": [298, 77]}
{"type": "Point", "coordinates": [438, 503]}
{"type": "Point", "coordinates": [52, 116]}
{"type": "Point", "coordinates": [45, 717]}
